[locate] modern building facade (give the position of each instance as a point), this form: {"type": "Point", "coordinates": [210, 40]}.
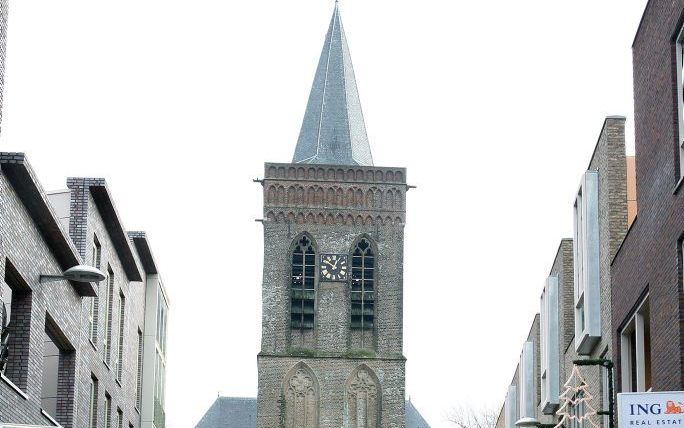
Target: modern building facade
{"type": "Point", "coordinates": [574, 321]}
{"type": "Point", "coordinates": [332, 344]}
{"type": "Point", "coordinates": [75, 350]}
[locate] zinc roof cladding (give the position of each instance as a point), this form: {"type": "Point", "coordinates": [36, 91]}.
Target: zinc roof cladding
{"type": "Point", "coordinates": [231, 412]}
{"type": "Point", "coordinates": [333, 130]}
{"type": "Point", "coordinates": [21, 176]}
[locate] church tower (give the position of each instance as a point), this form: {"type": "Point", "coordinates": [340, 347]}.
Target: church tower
{"type": "Point", "coordinates": [331, 345]}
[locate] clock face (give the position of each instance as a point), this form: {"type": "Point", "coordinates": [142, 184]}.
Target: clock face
{"type": "Point", "coordinates": [334, 267]}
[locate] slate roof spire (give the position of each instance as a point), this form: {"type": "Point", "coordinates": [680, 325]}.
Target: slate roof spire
{"type": "Point", "coordinates": [333, 131]}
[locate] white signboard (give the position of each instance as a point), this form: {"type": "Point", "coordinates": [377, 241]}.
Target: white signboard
{"type": "Point", "coordinates": [650, 409]}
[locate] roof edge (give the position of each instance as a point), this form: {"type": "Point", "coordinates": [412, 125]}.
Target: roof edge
{"type": "Point", "coordinates": [22, 178]}
{"type": "Point", "coordinates": [112, 221]}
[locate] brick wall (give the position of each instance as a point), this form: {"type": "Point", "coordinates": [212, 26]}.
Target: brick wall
{"type": "Point", "coordinates": [334, 206]}
{"type": "Point", "coordinates": [649, 257]}
{"type": "Point", "coordinates": [25, 250]}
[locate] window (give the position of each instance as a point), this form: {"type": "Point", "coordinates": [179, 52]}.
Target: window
{"type": "Point", "coordinates": [5, 313]}
{"type": "Point", "coordinates": [106, 349]}
{"type": "Point", "coordinates": [302, 286]}
{"type": "Point", "coordinates": [17, 298]}
{"type": "Point", "coordinates": [138, 382]}
{"type": "Point", "coordinates": [120, 342]}
{"type": "Point", "coordinates": [511, 407]}
{"type": "Point", "coordinates": [550, 347]}
{"type": "Point", "coordinates": [680, 101]}
{"type": "Point", "coordinates": [363, 286]}
{"type": "Point", "coordinates": [527, 400]}
{"type": "Point", "coordinates": [162, 310]}
{"type": "Point", "coordinates": [94, 301]}
{"type": "Point", "coordinates": [50, 376]}
{"type": "Point", "coordinates": [58, 373]}
{"type": "Point", "coordinates": [119, 418]}
{"type": "Point", "coordinates": [108, 411]}
{"type": "Point", "coordinates": [578, 410]}
{"type": "Point", "coordinates": [635, 355]}
{"type": "Point", "coordinates": [160, 359]}
{"type": "Point", "coordinates": [96, 253]}
{"type": "Point", "coordinates": [92, 413]}
{"type": "Point", "coordinates": [586, 265]}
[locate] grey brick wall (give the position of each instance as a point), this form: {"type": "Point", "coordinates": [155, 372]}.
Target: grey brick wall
{"type": "Point", "coordinates": [25, 248]}
{"type": "Point", "coordinates": [22, 244]}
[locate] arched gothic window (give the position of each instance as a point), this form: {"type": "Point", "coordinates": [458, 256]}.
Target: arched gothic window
{"type": "Point", "coordinates": [363, 285]}
{"type": "Point", "coordinates": [301, 398]}
{"type": "Point", "coordinates": [302, 291]}
{"type": "Point", "coordinates": [363, 398]}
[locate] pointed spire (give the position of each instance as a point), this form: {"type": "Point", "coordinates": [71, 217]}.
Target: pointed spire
{"type": "Point", "coordinates": [333, 131]}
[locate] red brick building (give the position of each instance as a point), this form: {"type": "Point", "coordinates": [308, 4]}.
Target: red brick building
{"type": "Point", "coordinates": [647, 298]}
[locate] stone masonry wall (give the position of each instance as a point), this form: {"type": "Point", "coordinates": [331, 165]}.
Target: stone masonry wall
{"type": "Point", "coordinates": [334, 206]}
{"type": "Point", "coordinates": [332, 375]}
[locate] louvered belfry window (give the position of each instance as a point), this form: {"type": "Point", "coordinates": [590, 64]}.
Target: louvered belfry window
{"type": "Point", "coordinates": [363, 286]}
{"type": "Point", "coordinates": [303, 279]}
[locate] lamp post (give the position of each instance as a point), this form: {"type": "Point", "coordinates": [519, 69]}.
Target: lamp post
{"type": "Point", "coordinates": [608, 365]}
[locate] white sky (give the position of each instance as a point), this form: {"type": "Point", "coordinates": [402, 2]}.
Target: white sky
{"type": "Point", "coordinates": [493, 106]}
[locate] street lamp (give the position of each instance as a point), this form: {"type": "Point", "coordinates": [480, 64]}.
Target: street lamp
{"type": "Point", "coordinates": [608, 365]}
{"type": "Point", "coordinates": [79, 273]}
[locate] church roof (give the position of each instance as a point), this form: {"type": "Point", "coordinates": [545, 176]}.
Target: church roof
{"type": "Point", "coordinates": [230, 412]}
{"type": "Point", "coordinates": [413, 417]}
{"type": "Point", "coordinates": [333, 131]}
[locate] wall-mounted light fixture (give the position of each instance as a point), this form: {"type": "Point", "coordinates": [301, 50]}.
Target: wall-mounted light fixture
{"type": "Point", "coordinates": [79, 273]}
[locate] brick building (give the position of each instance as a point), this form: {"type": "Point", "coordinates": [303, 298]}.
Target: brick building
{"type": "Point", "coordinates": [648, 309]}
{"type": "Point", "coordinates": [574, 321]}
{"type": "Point", "coordinates": [78, 353]}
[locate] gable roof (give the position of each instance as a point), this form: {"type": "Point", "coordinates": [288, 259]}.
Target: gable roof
{"type": "Point", "coordinates": [413, 417]}
{"type": "Point", "coordinates": [231, 412]}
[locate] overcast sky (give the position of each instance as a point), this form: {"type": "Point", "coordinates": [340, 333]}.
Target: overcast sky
{"type": "Point", "coordinates": [493, 106]}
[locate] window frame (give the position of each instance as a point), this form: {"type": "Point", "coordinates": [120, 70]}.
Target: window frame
{"type": "Point", "coordinates": [92, 408]}
{"type": "Point", "coordinates": [109, 303]}
{"type": "Point", "coordinates": [93, 315]}
{"type": "Point", "coordinates": [302, 294]}
{"type": "Point", "coordinates": [121, 338]}
{"type": "Point", "coordinates": [679, 58]}
{"type": "Point", "coordinates": [586, 264]}
{"type": "Point", "coordinates": [369, 252]}
{"type": "Point", "coordinates": [527, 384]}
{"type": "Point", "coordinates": [107, 411]}
{"type": "Point", "coordinates": [635, 350]}
{"type": "Point", "coordinates": [549, 346]}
